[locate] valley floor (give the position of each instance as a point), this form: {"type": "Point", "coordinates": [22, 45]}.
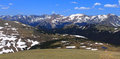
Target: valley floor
{"type": "Point", "coordinates": [62, 54]}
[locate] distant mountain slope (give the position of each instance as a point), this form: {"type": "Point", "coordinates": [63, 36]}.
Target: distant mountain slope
{"type": "Point", "coordinates": [101, 33]}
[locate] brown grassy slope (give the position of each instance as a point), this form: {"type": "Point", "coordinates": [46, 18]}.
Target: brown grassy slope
{"type": "Point", "coordinates": [62, 54]}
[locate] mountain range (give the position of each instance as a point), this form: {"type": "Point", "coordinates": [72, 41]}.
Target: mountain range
{"type": "Point", "coordinates": [59, 21]}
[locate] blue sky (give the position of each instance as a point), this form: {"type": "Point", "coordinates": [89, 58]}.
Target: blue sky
{"type": "Point", "coordinates": [64, 7]}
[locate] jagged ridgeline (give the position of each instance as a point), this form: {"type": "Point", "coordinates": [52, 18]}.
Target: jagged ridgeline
{"type": "Point", "coordinates": [59, 21]}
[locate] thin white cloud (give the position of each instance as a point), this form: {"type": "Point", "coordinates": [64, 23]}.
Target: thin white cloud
{"type": "Point", "coordinates": [111, 5]}
{"type": "Point", "coordinates": [97, 4]}
{"type": "Point", "coordinates": [74, 2]}
{"type": "Point", "coordinates": [81, 8]}
{"type": "Point", "coordinates": [10, 4]}
{"type": "Point", "coordinates": [100, 8]}
{"type": "Point", "coordinates": [53, 12]}
{"type": "Point", "coordinates": [5, 7]}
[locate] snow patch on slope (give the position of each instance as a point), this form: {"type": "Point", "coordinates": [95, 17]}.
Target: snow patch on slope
{"type": "Point", "coordinates": [11, 41]}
